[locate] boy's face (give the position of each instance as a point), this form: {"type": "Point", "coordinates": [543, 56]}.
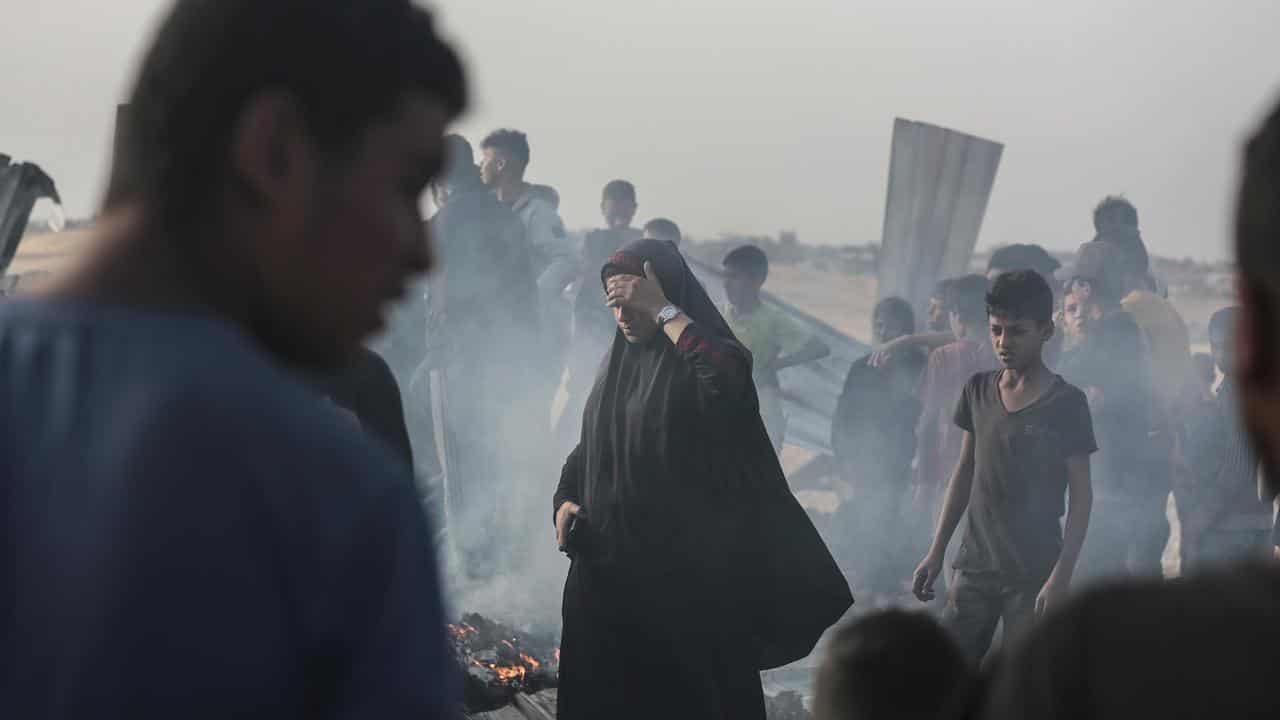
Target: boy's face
{"type": "Point", "coordinates": [939, 320]}
{"type": "Point", "coordinates": [1018, 341]}
{"type": "Point", "coordinates": [618, 214]}
{"type": "Point", "coordinates": [493, 166]}
{"type": "Point", "coordinates": [741, 286]}
{"type": "Point", "coordinates": [1080, 311]}
{"type": "Point", "coordinates": [886, 327]}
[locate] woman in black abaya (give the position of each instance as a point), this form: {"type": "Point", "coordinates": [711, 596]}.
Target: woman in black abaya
{"type": "Point", "coordinates": [693, 565]}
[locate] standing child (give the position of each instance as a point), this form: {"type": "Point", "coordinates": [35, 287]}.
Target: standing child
{"type": "Point", "coordinates": [775, 340]}
{"type": "Point", "coordinates": [1230, 516]}
{"type": "Point", "coordinates": [1027, 440]}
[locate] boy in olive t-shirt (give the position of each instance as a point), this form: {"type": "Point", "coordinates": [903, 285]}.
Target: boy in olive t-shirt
{"type": "Point", "coordinates": [1028, 436]}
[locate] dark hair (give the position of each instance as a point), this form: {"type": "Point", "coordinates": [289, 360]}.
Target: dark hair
{"type": "Point", "coordinates": [1223, 321]}
{"type": "Point", "coordinates": [1024, 257]}
{"type": "Point", "coordinates": [1114, 210]}
{"type": "Point", "coordinates": [347, 64]}
{"type": "Point", "coordinates": [1021, 294]}
{"type": "Point", "coordinates": [967, 297]}
{"type": "Point", "coordinates": [665, 229]}
{"type": "Point", "coordinates": [1257, 227]}
{"type": "Point", "coordinates": [512, 143]}
{"type": "Point", "coordinates": [1102, 264]}
{"type": "Point", "coordinates": [459, 160]}
{"type": "Point", "coordinates": [941, 288]}
{"type": "Point", "coordinates": [893, 664]}
{"type": "Point", "coordinates": [898, 309]}
{"type": "Point", "coordinates": [620, 190]}
{"type": "Point", "coordinates": [748, 258]}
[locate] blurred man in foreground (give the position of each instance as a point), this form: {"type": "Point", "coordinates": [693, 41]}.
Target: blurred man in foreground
{"type": "Point", "coordinates": [193, 532]}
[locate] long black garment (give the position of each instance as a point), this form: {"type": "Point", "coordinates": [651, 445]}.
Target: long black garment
{"type": "Point", "coordinates": [700, 567]}
{"type": "Point", "coordinates": [368, 390]}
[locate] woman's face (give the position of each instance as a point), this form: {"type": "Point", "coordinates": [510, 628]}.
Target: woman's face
{"type": "Point", "coordinates": [636, 327]}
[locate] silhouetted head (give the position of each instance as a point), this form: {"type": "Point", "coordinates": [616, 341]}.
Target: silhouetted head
{"type": "Point", "coordinates": [618, 204]}
{"type": "Point", "coordinates": [1114, 211]}
{"type": "Point", "coordinates": [892, 319]}
{"type": "Point", "coordinates": [1257, 341]}
{"type": "Point", "coordinates": [938, 319]}
{"type": "Point", "coordinates": [663, 229]}
{"type": "Point", "coordinates": [891, 665]}
{"type": "Point", "coordinates": [460, 171]}
{"type": "Point", "coordinates": [283, 147]}
{"type": "Point", "coordinates": [745, 270]}
{"type": "Point", "coordinates": [1022, 257]}
{"type": "Point", "coordinates": [966, 305]}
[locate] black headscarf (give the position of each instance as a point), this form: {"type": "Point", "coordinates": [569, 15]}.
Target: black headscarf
{"type": "Point", "coordinates": [679, 482]}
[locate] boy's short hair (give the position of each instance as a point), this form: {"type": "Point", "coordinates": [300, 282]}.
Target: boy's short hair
{"type": "Point", "coordinates": [893, 664]}
{"type": "Point", "coordinates": [665, 229]}
{"type": "Point", "coordinates": [1114, 210]}
{"type": "Point", "coordinates": [512, 143]}
{"type": "Point", "coordinates": [347, 64]}
{"type": "Point", "coordinates": [1024, 257]}
{"type": "Point", "coordinates": [1223, 322]}
{"type": "Point", "coordinates": [620, 191]}
{"type": "Point", "coordinates": [898, 309]}
{"type": "Point", "coordinates": [459, 159]}
{"type": "Point", "coordinates": [1021, 294]}
{"type": "Point", "coordinates": [750, 259]}
{"type": "Point", "coordinates": [967, 297]}
{"type": "Point", "coordinates": [941, 288]}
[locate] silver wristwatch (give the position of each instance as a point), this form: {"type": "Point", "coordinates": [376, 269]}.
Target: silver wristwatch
{"type": "Point", "coordinates": [667, 314]}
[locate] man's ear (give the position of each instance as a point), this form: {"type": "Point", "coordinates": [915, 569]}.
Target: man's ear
{"type": "Point", "coordinates": [271, 152]}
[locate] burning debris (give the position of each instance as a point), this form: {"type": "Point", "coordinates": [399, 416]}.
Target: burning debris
{"type": "Point", "coordinates": [500, 662]}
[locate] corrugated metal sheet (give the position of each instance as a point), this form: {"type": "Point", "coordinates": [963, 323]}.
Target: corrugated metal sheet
{"type": "Point", "coordinates": [21, 184]}
{"type": "Point", "coordinates": [939, 183]}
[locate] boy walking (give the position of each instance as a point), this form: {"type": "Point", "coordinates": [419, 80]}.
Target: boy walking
{"type": "Point", "coordinates": [1027, 440]}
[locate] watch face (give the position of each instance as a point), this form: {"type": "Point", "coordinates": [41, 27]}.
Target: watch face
{"type": "Point", "coordinates": [668, 313]}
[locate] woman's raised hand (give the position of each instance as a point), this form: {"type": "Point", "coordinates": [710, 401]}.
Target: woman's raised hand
{"type": "Point", "coordinates": [641, 294]}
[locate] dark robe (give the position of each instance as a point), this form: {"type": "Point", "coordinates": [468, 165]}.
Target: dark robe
{"type": "Point", "coordinates": [491, 390]}
{"type": "Point", "coordinates": [368, 390]}
{"type": "Point", "coordinates": [873, 434]}
{"type": "Point", "coordinates": [698, 567]}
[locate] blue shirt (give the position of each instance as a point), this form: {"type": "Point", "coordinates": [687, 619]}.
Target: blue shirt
{"type": "Point", "coordinates": [189, 532]}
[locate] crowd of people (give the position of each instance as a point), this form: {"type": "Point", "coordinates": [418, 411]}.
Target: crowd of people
{"type": "Point", "coordinates": [214, 489]}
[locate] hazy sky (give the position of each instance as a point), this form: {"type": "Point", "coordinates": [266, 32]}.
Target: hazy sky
{"type": "Point", "coordinates": [758, 116]}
